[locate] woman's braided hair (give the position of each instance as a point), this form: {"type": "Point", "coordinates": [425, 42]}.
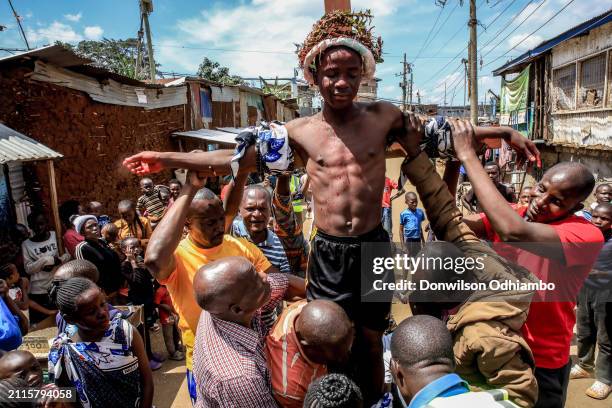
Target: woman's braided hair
{"type": "Point", "coordinates": [333, 391]}
{"type": "Point", "coordinates": [67, 295]}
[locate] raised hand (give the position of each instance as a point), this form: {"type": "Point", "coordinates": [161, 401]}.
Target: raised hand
{"type": "Point", "coordinates": [144, 163]}
{"type": "Point", "coordinates": [464, 141]}
{"type": "Point", "coordinates": [526, 150]}
{"type": "Point", "coordinates": [410, 139]}
{"type": "Point", "coordinates": [196, 180]}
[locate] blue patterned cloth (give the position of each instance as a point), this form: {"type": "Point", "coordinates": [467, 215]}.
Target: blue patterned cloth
{"type": "Point", "coordinates": [105, 373]}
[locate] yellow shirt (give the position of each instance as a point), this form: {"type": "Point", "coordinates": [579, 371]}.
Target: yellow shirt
{"type": "Point", "coordinates": [126, 231]}
{"type": "Point", "coordinates": [188, 259]}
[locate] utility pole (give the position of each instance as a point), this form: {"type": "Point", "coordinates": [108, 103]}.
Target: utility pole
{"type": "Point", "coordinates": [146, 8]}
{"type": "Point", "coordinates": [411, 83]}
{"type": "Point", "coordinates": [444, 93]}
{"type": "Point", "coordinates": [18, 18]}
{"type": "Point", "coordinates": [473, 25]}
{"type": "Point", "coordinates": [404, 83]}
{"type": "Point", "coordinates": [464, 62]}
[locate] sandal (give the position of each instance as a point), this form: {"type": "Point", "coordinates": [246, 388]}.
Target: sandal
{"type": "Point", "coordinates": [579, 372]}
{"type": "Point", "coordinates": [599, 390]}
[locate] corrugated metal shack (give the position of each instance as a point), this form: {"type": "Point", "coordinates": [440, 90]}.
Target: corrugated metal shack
{"type": "Point", "coordinates": [570, 94]}
{"type": "Point", "coordinates": [93, 117]}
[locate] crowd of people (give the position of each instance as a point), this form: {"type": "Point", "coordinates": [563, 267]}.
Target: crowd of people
{"type": "Point", "coordinates": [225, 277]}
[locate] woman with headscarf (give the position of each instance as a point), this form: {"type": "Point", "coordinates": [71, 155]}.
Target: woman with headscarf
{"type": "Point", "coordinates": [96, 251]}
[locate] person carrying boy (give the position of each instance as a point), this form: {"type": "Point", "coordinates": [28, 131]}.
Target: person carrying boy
{"type": "Point", "coordinates": [150, 203]}
{"type": "Point", "coordinates": [423, 368]}
{"type": "Point", "coordinates": [306, 339]}
{"type": "Point", "coordinates": [229, 359]}
{"type": "Point", "coordinates": [489, 348]}
{"type": "Point", "coordinates": [552, 243]}
{"type": "Point", "coordinates": [593, 324]}
{"type": "Point", "coordinates": [343, 151]}
{"type": "Point", "coordinates": [174, 261]}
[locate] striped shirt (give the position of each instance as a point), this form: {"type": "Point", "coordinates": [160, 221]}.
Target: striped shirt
{"type": "Point", "coordinates": [151, 203]}
{"type": "Point", "coordinates": [271, 247]}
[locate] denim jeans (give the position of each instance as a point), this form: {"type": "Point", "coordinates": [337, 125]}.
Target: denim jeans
{"type": "Point", "coordinates": [387, 222]}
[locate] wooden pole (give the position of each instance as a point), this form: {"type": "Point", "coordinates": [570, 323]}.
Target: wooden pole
{"type": "Point", "coordinates": [331, 5]}
{"type": "Point", "coordinates": [54, 207]}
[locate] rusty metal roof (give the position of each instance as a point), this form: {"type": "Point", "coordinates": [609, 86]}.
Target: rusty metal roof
{"type": "Point", "coordinates": [16, 147]}
{"type": "Point", "coordinates": [54, 54]}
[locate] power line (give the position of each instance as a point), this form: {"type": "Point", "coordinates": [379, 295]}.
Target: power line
{"type": "Point", "coordinates": [494, 37]}
{"type": "Point", "coordinates": [537, 29]}
{"type": "Point", "coordinates": [18, 18]}
{"type": "Point", "coordinates": [515, 28]}
{"type": "Point", "coordinates": [430, 31]}
{"type": "Point", "coordinates": [439, 29]}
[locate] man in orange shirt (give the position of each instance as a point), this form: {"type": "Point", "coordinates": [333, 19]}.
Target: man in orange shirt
{"type": "Point", "coordinates": [174, 262]}
{"type": "Point", "coordinates": [306, 338]}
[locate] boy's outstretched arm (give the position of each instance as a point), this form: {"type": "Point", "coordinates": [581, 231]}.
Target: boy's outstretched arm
{"type": "Point", "coordinates": [215, 163]}
{"type": "Point", "coordinates": [505, 221]}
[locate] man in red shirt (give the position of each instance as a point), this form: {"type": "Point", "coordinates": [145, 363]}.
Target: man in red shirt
{"type": "Point", "coordinates": [387, 214]}
{"type": "Point", "coordinates": [555, 245]}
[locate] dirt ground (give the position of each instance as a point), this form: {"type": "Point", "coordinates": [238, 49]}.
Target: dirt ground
{"type": "Point", "coordinates": [171, 386]}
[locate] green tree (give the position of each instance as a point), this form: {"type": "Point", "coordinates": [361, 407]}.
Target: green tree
{"type": "Point", "coordinates": [213, 71]}
{"type": "Point", "coordinates": [118, 56]}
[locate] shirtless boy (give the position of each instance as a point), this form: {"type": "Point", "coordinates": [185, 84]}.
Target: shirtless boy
{"type": "Point", "coordinates": [343, 151]}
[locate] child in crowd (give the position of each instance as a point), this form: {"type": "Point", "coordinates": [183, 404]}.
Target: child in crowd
{"type": "Point", "coordinates": [18, 287]}
{"type": "Point", "coordinates": [524, 197]}
{"type": "Point", "coordinates": [411, 219]}
{"type": "Point", "coordinates": [593, 325]}
{"type": "Point", "coordinates": [603, 195]}
{"type": "Point", "coordinates": [96, 208]}
{"type": "Point", "coordinates": [131, 224]}
{"type": "Point", "coordinates": [23, 364]}
{"type": "Point", "coordinates": [110, 235]}
{"type": "Point", "coordinates": [105, 359]}
{"type": "Point", "coordinates": [169, 320]}
{"type": "Point", "coordinates": [140, 292]}
{"type": "Point", "coordinates": [149, 203]}
{"type": "Point", "coordinates": [41, 257]}
{"type": "Point", "coordinates": [175, 187]}
{"type": "Point", "coordinates": [333, 390]}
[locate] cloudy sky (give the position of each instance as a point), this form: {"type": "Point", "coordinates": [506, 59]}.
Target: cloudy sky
{"type": "Point", "coordinates": [257, 37]}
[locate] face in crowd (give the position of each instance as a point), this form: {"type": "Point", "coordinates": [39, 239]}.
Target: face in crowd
{"type": "Point", "coordinates": [255, 210]}
{"type": "Point", "coordinates": [206, 220]}
{"type": "Point", "coordinates": [411, 201]}
{"type": "Point", "coordinates": [146, 186]}
{"type": "Point", "coordinates": [492, 171]}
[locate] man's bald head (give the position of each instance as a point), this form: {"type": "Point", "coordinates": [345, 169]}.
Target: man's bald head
{"type": "Point", "coordinates": [230, 288]}
{"type": "Point", "coordinates": [422, 341]}
{"type": "Point", "coordinates": [206, 219]}
{"type": "Point", "coordinates": [254, 191]}
{"type": "Point", "coordinates": [580, 177]}
{"type": "Point", "coordinates": [325, 332]}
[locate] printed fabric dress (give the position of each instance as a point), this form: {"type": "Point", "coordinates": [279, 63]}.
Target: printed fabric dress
{"type": "Point", "coordinates": [105, 373]}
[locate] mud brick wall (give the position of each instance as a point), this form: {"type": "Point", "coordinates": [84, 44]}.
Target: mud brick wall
{"type": "Point", "coordinates": [93, 137]}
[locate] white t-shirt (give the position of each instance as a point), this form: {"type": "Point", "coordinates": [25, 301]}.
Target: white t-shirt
{"type": "Point", "coordinates": [37, 255]}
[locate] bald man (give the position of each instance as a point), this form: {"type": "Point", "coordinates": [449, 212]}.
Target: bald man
{"type": "Point", "coordinates": [306, 339]}
{"type": "Point", "coordinates": [423, 368]}
{"type": "Point", "coordinates": [229, 360]}
{"type": "Point", "coordinates": [552, 243]}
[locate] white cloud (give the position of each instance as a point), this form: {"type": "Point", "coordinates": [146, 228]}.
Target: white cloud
{"type": "Point", "coordinates": [56, 31]}
{"type": "Point", "coordinates": [527, 42]}
{"type": "Point", "coordinates": [93, 32]}
{"type": "Point", "coordinates": [73, 17]}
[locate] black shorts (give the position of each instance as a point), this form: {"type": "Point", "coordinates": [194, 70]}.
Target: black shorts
{"type": "Point", "coordinates": [335, 273]}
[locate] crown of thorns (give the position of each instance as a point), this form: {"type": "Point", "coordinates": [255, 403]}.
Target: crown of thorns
{"type": "Point", "coordinates": [343, 24]}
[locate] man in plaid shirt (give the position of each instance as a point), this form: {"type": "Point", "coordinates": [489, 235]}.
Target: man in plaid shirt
{"type": "Point", "coordinates": [229, 360]}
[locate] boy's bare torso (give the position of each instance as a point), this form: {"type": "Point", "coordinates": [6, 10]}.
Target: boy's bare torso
{"type": "Point", "coordinates": [346, 166]}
